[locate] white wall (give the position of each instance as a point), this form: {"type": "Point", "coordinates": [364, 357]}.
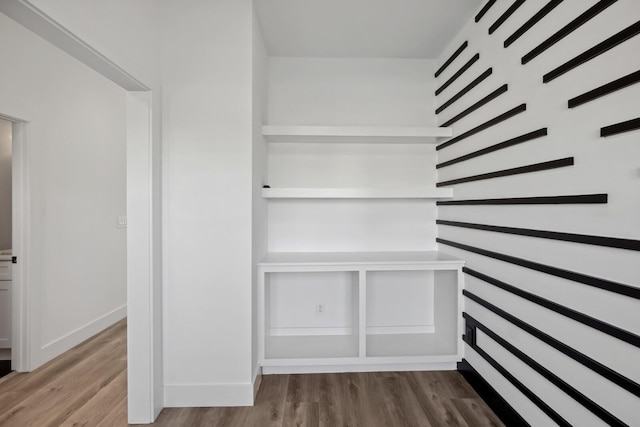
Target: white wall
{"type": "Point", "coordinates": [77, 177]}
{"type": "Point", "coordinates": [207, 116]}
{"type": "Point", "coordinates": [350, 92]}
{"type": "Point", "coordinates": [128, 34]}
{"type": "Point", "coordinates": [336, 91]}
{"type": "Point", "coordinates": [602, 165]}
{"type": "Point", "coordinates": [5, 184]}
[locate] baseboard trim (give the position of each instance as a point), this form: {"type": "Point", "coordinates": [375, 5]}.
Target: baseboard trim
{"type": "Point", "coordinates": [498, 405]}
{"type": "Point", "coordinates": [57, 347]}
{"type": "Point", "coordinates": [208, 395]}
{"type": "Point", "coordinates": [382, 367]}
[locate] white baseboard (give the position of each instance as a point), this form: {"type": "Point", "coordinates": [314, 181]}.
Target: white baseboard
{"type": "Point", "coordinates": [208, 395]}
{"type": "Point", "coordinates": [57, 347]}
{"type": "Point", "coordinates": [382, 367]}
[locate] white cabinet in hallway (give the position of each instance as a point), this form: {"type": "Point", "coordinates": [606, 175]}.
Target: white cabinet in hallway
{"type": "Point", "coordinates": [5, 303]}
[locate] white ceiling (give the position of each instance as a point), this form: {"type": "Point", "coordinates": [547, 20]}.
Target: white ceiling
{"type": "Point", "coordinates": [362, 28]}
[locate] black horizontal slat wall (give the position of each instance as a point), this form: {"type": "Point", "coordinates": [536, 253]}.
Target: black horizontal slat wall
{"type": "Point", "coordinates": [544, 168]}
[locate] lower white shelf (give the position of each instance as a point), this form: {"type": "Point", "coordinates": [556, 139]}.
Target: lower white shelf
{"type": "Point", "coordinates": [311, 346]}
{"type": "Point", "coordinates": [407, 345]}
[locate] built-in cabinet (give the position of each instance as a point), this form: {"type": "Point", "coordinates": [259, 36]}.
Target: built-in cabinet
{"type": "Point", "coordinates": [345, 244]}
{"type": "Point", "coordinates": [5, 304]}
{"type": "Point", "coordinates": [363, 346]}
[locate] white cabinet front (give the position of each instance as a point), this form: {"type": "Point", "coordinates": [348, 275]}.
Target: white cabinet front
{"type": "Point", "coordinates": [5, 314]}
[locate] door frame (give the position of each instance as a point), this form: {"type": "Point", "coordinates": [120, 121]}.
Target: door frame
{"type": "Point", "coordinates": [20, 236]}
{"type": "Point", "coordinates": [144, 353]}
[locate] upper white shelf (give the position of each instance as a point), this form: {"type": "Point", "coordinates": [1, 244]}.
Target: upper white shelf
{"type": "Point", "coordinates": [361, 134]}
{"type": "Point", "coordinates": [356, 193]}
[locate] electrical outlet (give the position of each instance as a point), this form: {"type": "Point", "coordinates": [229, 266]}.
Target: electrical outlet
{"type": "Point", "coordinates": [122, 222]}
{"type": "Point", "coordinates": [320, 309]}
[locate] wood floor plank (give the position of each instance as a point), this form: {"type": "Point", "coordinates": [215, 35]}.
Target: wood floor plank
{"type": "Point", "coordinates": [475, 413]}
{"type": "Point", "coordinates": [301, 414]}
{"type": "Point", "coordinates": [339, 401]}
{"type": "Point", "coordinates": [401, 403]}
{"type": "Point", "coordinates": [268, 410]}
{"type": "Point", "coordinates": [117, 417]}
{"type": "Point", "coordinates": [66, 393]}
{"type": "Point", "coordinates": [303, 388]}
{"type": "Point", "coordinates": [114, 335]}
{"type": "Point", "coordinates": [100, 406]}
{"type": "Point", "coordinates": [374, 409]}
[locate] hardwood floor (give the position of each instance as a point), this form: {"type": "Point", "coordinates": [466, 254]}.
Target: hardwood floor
{"type": "Point", "coordinates": [87, 387]}
{"type": "Point", "coordinates": [390, 399]}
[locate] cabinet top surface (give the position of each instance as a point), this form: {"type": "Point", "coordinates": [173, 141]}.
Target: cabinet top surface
{"type": "Point", "coordinates": [358, 258]}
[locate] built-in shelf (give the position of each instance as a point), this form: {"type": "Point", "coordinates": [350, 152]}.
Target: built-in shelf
{"type": "Point", "coordinates": [355, 134]}
{"type": "Point", "coordinates": [362, 349]}
{"type": "Point", "coordinates": [356, 193]}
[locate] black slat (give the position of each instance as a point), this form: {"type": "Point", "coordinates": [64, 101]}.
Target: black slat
{"type": "Point", "coordinates": [502, 117]}
{"type": "Point", "coordinates": [596, 282]}
{"type": "Point", "coordinates": [496, 402]}
{"type": "Point", "coordinates": [606, 89]}
{"type": "Point", "coordinates": [595, 51]}
{"type": "Point", "coordinates": [568, 29]}
{"type": "Point", "coordinates": [611, 242]}
{"type": "Point", "coordinates": [592, 322]}
{"type": "Point", "coordinates": [506, 15]}
{"type": "Point", "coordinates": [466, 89]}
{"type": "Point", "coordinates": [451, 58]}
{"type": "Point", "coordinates": [587, 403]}
{"type": "Point", "coordinates": [460, 72]}
{"type": "Point", "coordinates": [493, 95]}
{"type": "Point", "coordinates": [622, 127]}
{"type": "Point", "coordinates": [595, 366]}
{"type": "Point", "coordinates": [484, 9]}
{"type": "Point", "coordinates": [540, 200]}
{"type": "Point", "coordinates": [506, 144]}
{"type": "Point", "coordinates": [536, 167]}
{"type": "Point", "coordinates": [531, 22]}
